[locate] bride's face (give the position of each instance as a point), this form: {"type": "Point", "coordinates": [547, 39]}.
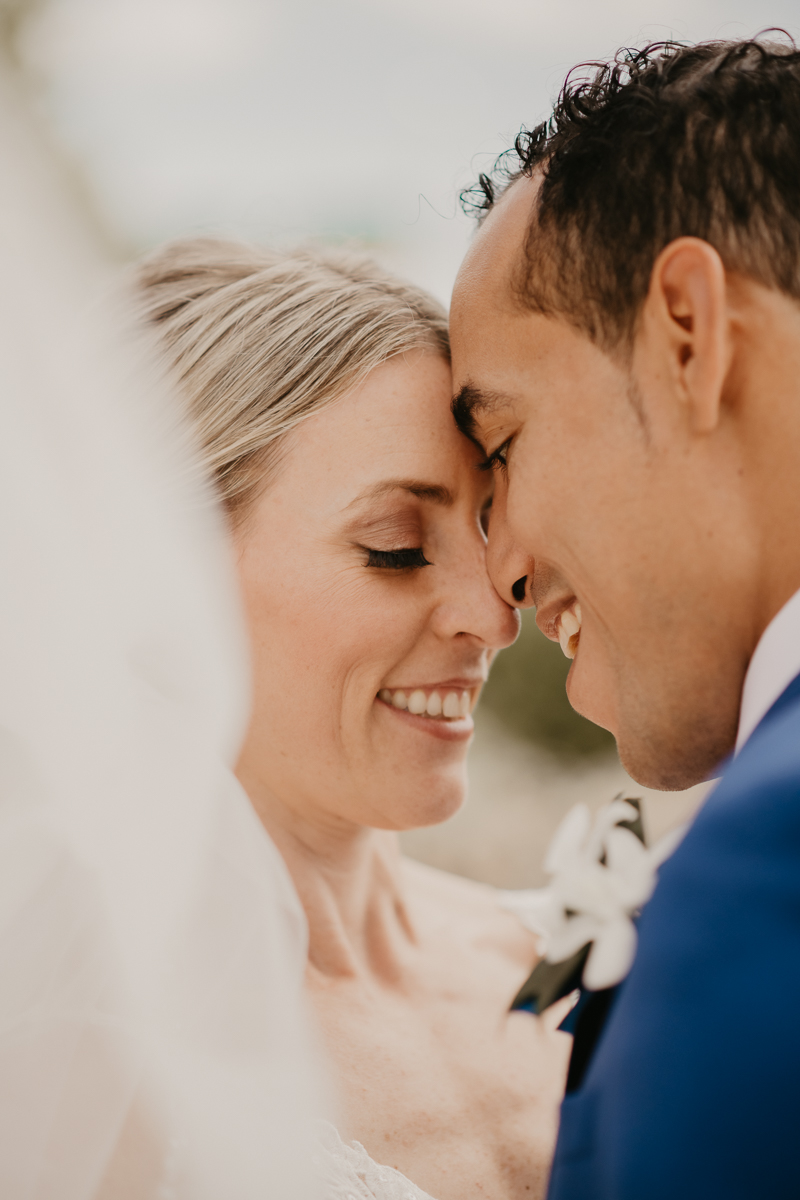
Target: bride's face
{"type": "Point", "coordinates": [372, 617]}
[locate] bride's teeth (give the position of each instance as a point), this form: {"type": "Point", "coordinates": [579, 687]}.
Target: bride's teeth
{"type": "Point", "coordinates": [455, 705]}
{"type": "Point", "coordinates": [576, 608]}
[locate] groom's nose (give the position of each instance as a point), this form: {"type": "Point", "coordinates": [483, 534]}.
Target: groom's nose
{"type": "Point", "coordinates": [510, 567]}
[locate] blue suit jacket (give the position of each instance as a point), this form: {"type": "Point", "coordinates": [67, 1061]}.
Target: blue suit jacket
{"type": "Point", "coordinates": [694, 1088]}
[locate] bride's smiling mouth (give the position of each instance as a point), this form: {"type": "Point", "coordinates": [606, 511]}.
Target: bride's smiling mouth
{"type": "Point", "coordinates": [443, 709]}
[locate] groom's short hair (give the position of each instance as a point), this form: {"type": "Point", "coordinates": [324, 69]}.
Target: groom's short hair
{"type": "Point", "coordinates": [663, 142]}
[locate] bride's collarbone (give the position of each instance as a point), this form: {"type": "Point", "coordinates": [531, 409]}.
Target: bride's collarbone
{"type": "Point", "coordinates": [471, 958]}
{"type": "Point", "coordinates": [436, 1079]}
{"type": "Point", "coordinates": [445, 1006]}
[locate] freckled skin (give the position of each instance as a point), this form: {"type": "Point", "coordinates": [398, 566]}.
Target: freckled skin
{"type": "Point", "coordinates": [439, 1081]}
{"type": "Point", "coordinates": [658, 488]}
{"type": "Point", "coordinates": [411, 971]}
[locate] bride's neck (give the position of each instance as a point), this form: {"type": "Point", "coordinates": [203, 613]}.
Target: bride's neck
{"type": "Point", "coordinates": [349, 880]}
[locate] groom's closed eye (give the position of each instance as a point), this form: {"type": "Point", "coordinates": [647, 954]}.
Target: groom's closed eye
{"type": "Point", "coordinates": [497, 459]}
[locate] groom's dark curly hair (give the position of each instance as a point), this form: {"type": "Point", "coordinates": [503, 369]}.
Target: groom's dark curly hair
{"type": "Point", "coordinates": [663, 142]}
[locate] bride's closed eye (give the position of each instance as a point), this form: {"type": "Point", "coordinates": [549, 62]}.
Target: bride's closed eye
{"type": "Point", "coordinates": [397, 560]}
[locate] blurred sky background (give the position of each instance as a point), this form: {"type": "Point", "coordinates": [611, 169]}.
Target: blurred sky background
{"type": "Point", "coordinates": [284, 119]}
{"type": "Point", "coordinates": [354, 120]}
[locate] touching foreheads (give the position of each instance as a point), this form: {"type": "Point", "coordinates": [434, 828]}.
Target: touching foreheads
{"type": "Point", "coordinates": [664, 142]}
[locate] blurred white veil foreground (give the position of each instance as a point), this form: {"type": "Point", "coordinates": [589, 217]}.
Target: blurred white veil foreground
{"type": "Point", "coordinates": [152, 1034]}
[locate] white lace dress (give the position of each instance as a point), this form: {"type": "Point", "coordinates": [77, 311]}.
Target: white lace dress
{"type": "Point", "coordinates": [348, 1172]}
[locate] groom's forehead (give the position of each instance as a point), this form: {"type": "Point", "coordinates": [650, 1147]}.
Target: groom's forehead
{"type": "Point", "coordinates": [486, 278]}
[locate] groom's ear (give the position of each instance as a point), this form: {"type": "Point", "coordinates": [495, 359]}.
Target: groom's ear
{"type": "Point", "coordinates": [686, 327]}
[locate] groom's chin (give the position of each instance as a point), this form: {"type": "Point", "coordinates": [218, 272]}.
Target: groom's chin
{"type": "Point", "coordinates": [674, 717]}
{"type": "Point", "coordinates": [671, 760]}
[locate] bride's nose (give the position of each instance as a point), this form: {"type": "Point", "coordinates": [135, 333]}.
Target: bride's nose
{"type": "Point", "coordinates": [471, 607]}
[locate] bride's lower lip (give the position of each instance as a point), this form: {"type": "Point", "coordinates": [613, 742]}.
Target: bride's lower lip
{"type": "Point", "coordinates": [460, 730]}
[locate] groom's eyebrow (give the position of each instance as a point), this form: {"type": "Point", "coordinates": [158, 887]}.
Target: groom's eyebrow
{"type": "Point", "coordinates": [469, 403]}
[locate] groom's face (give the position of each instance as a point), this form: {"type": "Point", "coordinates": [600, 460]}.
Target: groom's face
{"type": "Point", "coordinates": [604, 499]}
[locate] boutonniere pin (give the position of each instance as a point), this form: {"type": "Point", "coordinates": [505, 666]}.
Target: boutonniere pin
{"type": "Point", "coordinates": [601, 873]}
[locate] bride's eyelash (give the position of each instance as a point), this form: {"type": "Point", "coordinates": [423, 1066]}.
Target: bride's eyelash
{"type": "Point", "coordinates": [497, 459]}
{"type": "Point", "coordinates": [396, 560]}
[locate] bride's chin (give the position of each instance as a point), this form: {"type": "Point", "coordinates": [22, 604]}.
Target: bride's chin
{"type": "Point", "coordinates": [415, 790]}
{"type": "Point", "coordinates": [437, 806]}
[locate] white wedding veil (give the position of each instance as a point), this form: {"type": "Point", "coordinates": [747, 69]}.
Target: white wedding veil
{"type": "Point", "coordinates": [152, 1032]}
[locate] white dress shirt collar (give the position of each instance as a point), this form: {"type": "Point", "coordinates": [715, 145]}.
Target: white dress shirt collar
{"type": "Point", "coordinates": [772, 668]}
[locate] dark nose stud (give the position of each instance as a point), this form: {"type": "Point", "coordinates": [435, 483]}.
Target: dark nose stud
{"type": "Point", "coordinates": [518, 589]}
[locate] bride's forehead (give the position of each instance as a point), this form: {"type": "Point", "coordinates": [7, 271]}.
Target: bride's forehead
{"type": "Point", "coordinates": [394, 426]}
{"type": "Point", "coordinates": [399, 408]}
{"type": "Point", "coordinates": [395, 454]}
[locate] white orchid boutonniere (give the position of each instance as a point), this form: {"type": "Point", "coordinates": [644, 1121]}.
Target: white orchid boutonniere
{"type": "Point", "coordinates": [601, 873]}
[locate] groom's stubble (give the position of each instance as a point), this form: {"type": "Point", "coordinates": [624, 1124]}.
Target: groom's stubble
{"type": "Point", "coordinates": [640, 483]}
{"type": "Point", "coordinates": [674, 722]}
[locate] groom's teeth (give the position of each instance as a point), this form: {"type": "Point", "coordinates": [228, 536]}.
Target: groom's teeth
{"type": "Point", "coordinates": [569, 629]}
{"type": "Point", "coordinates": [465, 704]}
{"type": "Point", "coordinates": [570, 623]}
{"type": "Point", "coordinates": [399, 700]}
{"type": "Point", "coordinates": [385, 695]}
{"type": "Point", "coordinates": [417, 702]}
{"type": "Point", "coordinates": [451, 706]}
{"type": "Point", "coordinates": [434, 706]}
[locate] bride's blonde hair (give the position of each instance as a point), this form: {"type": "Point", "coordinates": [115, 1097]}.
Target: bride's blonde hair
{"type": "Point", "coordinates": [257, 340]}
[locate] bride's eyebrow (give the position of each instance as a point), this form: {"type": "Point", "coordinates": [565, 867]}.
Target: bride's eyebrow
{"type": "Point", "coordinates": [433, 492]}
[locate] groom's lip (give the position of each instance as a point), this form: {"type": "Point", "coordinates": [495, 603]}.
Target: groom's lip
{"type": "Point", "coordinates": [548, 615]}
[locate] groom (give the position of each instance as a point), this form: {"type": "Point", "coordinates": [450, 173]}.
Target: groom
{"type": "Point", "coordinates": [626, 345]}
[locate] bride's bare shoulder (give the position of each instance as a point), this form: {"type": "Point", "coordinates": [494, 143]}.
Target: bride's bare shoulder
{"type": "Point", "coordinates": [468, 910]}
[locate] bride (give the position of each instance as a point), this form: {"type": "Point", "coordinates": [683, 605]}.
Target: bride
{"type": "Point", "coordinates": [318, 387]}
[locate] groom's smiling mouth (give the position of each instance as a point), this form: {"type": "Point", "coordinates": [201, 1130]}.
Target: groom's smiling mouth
{"type": "Point", "coordinates": [451, 701]}
{"type": "Point", "coordinates": [558, 613]}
